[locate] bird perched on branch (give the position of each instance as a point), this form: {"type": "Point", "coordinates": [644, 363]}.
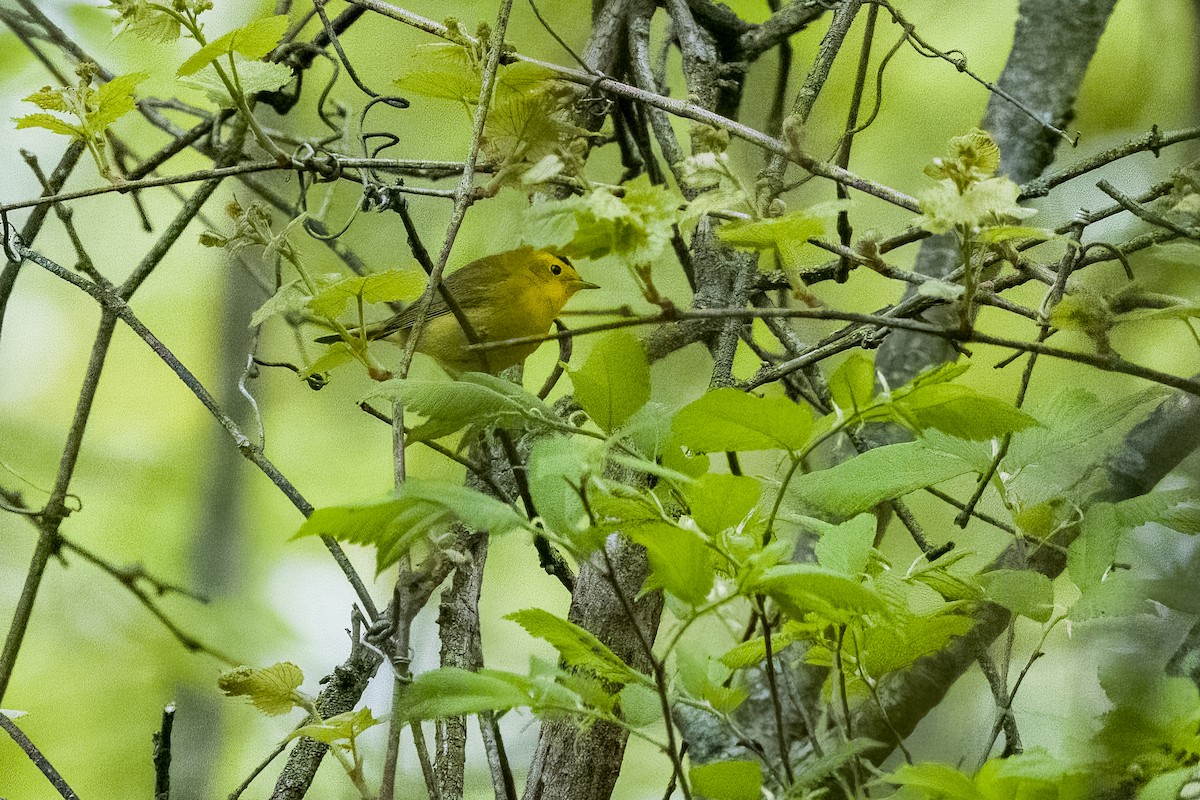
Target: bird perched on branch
{"type": "Point", "coordinates": [508, 295]}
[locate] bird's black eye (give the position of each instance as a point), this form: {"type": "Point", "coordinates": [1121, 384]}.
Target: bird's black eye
{"type": "Point", "coordinates": [556, 269]}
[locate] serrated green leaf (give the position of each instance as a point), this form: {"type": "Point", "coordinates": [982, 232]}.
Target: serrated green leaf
{"type": "Point", "coordinates": [987, 202]}
{"type": "Point", "coordinates": [442, 70]}
{"type": "Point", "coordinates": [936, 782]}
{"type": "Point", "coordinates": [722, 501]}
{"type": "Point", "coordinates": [729, 419]}
{"type": "Point", "coordinates": [253, 40]}
{"type": "Point", "coordinates": [640, 705]}
{"type": "Point", "coordinates": [786, 235]}
{"type": "Point", "coordinates": [680, 562]}
{"type": "Point", "coordinates": [897, 645]}
{"type": "Point", "coordinates": [868, 479]}
{"type": "Point", "coordinates": [727, 780]}
{"type": "Point", "coordinates": [48, 99]}
{"type": "Point", "coordinates": [578, 647]}
{"type": "Point", "coordinates": [454, 692]}
{"type": "Point", "coordinates": [114, 99]}
{"type": "Point", "coordinates": [472, 398]}
{"type": "Point", "coordinates": [271, 689]}
{"type": "Point", "coordinates": [803, 588]}
{"type": "Point", "coordinates": [344, 727]}
{"type": "Point", "coordinates": [144, 20]}
{"type": "Point", "coordinates": [1021, 591]}
{"type": "Point", "coordinates": [556, 466]}
{"type": "Point", "coordinates": [394, 524]}
{"type": "Point", "coordinates": [335, 355]}
{"type": "Point", "coordinates": [614, 382]}
{"type": "Point", "coordinates": [381, 287]}
{"type": "Point", "coordinates": [253, 76]}
{"type": "Point", "coordinates": [636, 226]}
{"type": "Point", "coordinates": [846, 548]}
{"type": "Point", "coordinates": [852, 384]}
{"type": "Point", "coordinates": [50, 123]}
{"type": "Point", "coordinates": [961, 411]}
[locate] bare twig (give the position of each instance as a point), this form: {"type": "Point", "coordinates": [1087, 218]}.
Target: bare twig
{"type": "Point", "coordinates": [39, 760]}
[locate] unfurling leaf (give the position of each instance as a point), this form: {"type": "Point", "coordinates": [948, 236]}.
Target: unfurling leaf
{"type": "Point", "coordinates": [635, 226]}
{"type": "Point", "coordinates": [344, 727]}
{"type": "Point", "coordinates": [271, 689]}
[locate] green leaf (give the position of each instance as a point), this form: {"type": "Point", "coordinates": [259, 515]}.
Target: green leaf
{"type": "Point", "coordinates": [846, 548]}
{"type": "Point", "coordinates": [936, 781]}
{"type": "Point", "coordinates": [393, 525]}
{"type": "Point", "coordinates": [253, 41]}
{"type": "Point", "coordinates": [271, 689]}
{"type": "Point", "coordinates": [680, 561]}
{"type": "Point", "coordinates": [960, 411]}
{"type": "Point", "coordinates": [640, 705]}
{"type": "Point", "coordinates": [729, 419]}
{"type": "Point", "coordinates": [454, 692]}
{"type": "Point", "coordinates": [290, 297]}
{"type": "Point", "coordinates": [142, 19]}
{"type": "Point", "coordinates": [803, 588]}
{"type": "Point", "coordinates": [556, 465]}
{"type": "Point", "coordinates": [344, 727]}
{"type": "Point", "coordinates": [114, 99]}
{"type": "Point", "coordinates": [253, 77]}
{"type": "Point", "coordinates": [335, 355]}
{"type": "Point", "coordinates": [898, 645]}
{"type": "Point", "coordinates": [1021, 591]}
{"type": "Point", "coordinates": [50, 123]}
{"type": "Point", "coordinates": [579, 648]}
{"type": "Point", "coordinates": [868, 479]}
{"type": "Point", "coordinates": [636, 226]}
{"type": "Point", "coordinates": [786, 236]}
{"type": "Point", "coordinates": [471, 398]}
{"type": "Point", "coordinates": [722, 501]}
{"type": "Point", "coordinates": [986, 203]}
{"type": "Point", "coordinates": [381, 287]}
{"type": "Point", "coordinates": [442, 70]}
{"type": "Point", "coordinates": [727, 780]}
{"type": "Point", "coordinates": [615, 381]}
{"type": "Point", "coordinates": [852, 384]}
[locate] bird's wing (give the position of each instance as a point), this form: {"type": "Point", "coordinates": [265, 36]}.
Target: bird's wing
{"type": "Point", "coordinates": [466, 291]}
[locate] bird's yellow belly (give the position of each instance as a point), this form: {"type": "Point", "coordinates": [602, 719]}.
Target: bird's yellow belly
{"type": "Point", "coordinates": [444, 340]}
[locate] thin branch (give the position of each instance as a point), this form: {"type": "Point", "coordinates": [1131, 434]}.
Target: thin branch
{"type": "Point", "coordinates": [39, 760]}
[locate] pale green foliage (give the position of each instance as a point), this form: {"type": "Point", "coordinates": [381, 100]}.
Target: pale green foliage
{"type": "Point", "coordinates": [271, 689]}
{"type": "Point", "coordinates": [729, 419]}
{"type": "Point", "coordinates": [341, 729]}
{"type": "Point", "coordinates": [1023, 592]}
{"type": "Point", "coordinates": [145, 19]}
{"type": "Point", "coordinates": [967, 195]}
{"type": "Point", "coordinates": [419, 509]}
{"type": "Point", "coordinates": [253, 41]}
{"type": "Point", "coordinates": [786, 235]}
{"type": "Point", "coordinates": [633, 224]}
{"type": "Point", "coordinates": [94, 109]}
{"type": "Point", "coordinates": [615, 381]}
{"type": "Point", "coordinates": [471, 399]}
{"type": "Point", "coordinates": [727, 780]}
{"type": "Point", "coordinates": [680, 561]}
{"type": "Point", "coordinates": [578, 648]}
{"type": "Point", "coordinates": [529, 132]}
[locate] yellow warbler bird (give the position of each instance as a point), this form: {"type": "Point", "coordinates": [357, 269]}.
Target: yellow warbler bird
{"type": "Point", "coordinates": [509, 295]}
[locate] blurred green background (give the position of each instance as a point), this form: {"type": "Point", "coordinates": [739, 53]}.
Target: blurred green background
{"type": "Point", "coordinates": [161, 485]}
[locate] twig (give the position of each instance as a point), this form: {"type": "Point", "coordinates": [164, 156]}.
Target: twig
{"type": "Point", "coordinates": [162, 755]}
{"type": "Point", "coordinates": [39, 760]}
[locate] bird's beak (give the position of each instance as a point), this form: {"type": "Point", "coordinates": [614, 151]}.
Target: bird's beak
{"type": "Point", "coordinates": [586, 285]}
